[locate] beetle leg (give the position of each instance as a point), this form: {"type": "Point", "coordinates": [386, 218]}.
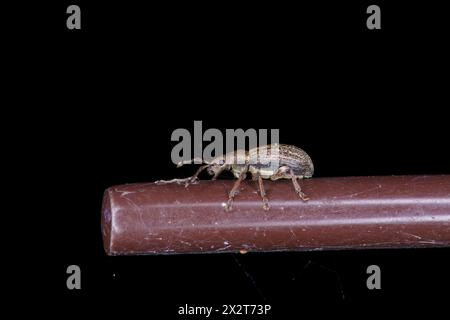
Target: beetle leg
{"type": "Point", "coordinates": [195, 176]}
{"type": "Point", "coordinates": [235, 188]}
{"type": "Point", "coordinates": [297, 187]}
{"type": "Point", "coordinates": [218, 172]}
{"type": "Point", "coordinates": [280, 173]}
{"type": "Point", "coordinates": [262, 192]}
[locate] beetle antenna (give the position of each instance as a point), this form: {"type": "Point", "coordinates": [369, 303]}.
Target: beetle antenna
{"type": "Point", "coordinates": [198, 160]}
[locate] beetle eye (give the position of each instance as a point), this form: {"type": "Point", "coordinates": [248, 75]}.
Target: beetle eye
{"type": "Point", "coordinates": [221, 162]}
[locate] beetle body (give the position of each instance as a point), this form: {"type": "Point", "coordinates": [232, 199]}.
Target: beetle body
{"type": "Point", "coordinates": [267, 161]}
{"type": "Point", "coordinates": [275, 161]}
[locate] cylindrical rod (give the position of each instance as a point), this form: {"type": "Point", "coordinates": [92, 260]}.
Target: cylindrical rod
{"type": "Point", "coordinates": [342, 213]}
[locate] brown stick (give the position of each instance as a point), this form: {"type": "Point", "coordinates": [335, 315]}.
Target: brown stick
{"type": "Point", "coordinates": [342, 213]}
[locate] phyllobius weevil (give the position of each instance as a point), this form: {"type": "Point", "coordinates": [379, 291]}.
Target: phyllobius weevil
{"type": "Point", "coordinates": [275, 161]}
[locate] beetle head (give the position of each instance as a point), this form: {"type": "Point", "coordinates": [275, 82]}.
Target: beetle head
{"type": "Point", "coordinates": [225, 161]}
{"type": "Point", "coordinates": [216, 164]}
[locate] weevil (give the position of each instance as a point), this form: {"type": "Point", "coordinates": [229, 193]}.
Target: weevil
{"type": "Point", "coordinates": [275, 161]}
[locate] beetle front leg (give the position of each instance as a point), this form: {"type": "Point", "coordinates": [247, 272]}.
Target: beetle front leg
{"type": "Point", "coordinates": [297, 187]}
{"type": "Point", "coordinates": [219, 172]}
{"type": "Point", "coordinates": [194, 178]}
{"type": "Point", "coordinates": [235, 188]}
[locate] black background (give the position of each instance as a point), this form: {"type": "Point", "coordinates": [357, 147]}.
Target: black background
{"type": "Point", "coordinates": [360, 102]}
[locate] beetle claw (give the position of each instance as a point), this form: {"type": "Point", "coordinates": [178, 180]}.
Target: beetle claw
{"type": "Point", "coordinates": [228, 206]}
{"type": "Point", "coordinates": [303, 196]}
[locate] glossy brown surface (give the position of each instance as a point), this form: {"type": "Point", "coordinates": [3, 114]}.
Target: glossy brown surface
{"type": "Point", "coordinates": [342, 213]}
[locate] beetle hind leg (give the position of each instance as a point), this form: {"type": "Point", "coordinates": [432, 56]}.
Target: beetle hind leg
{"type": "Point", "coordinates": [281, 173]}
{"type": "Point", "coordinates": [297, 187]}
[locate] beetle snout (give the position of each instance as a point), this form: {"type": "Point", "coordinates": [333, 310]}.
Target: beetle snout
{"type": "Point", "coordinates": [212, 170]}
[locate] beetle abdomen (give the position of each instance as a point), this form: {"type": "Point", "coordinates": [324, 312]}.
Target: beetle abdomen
{"type": "Point", "coordinates": [271, 157]}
